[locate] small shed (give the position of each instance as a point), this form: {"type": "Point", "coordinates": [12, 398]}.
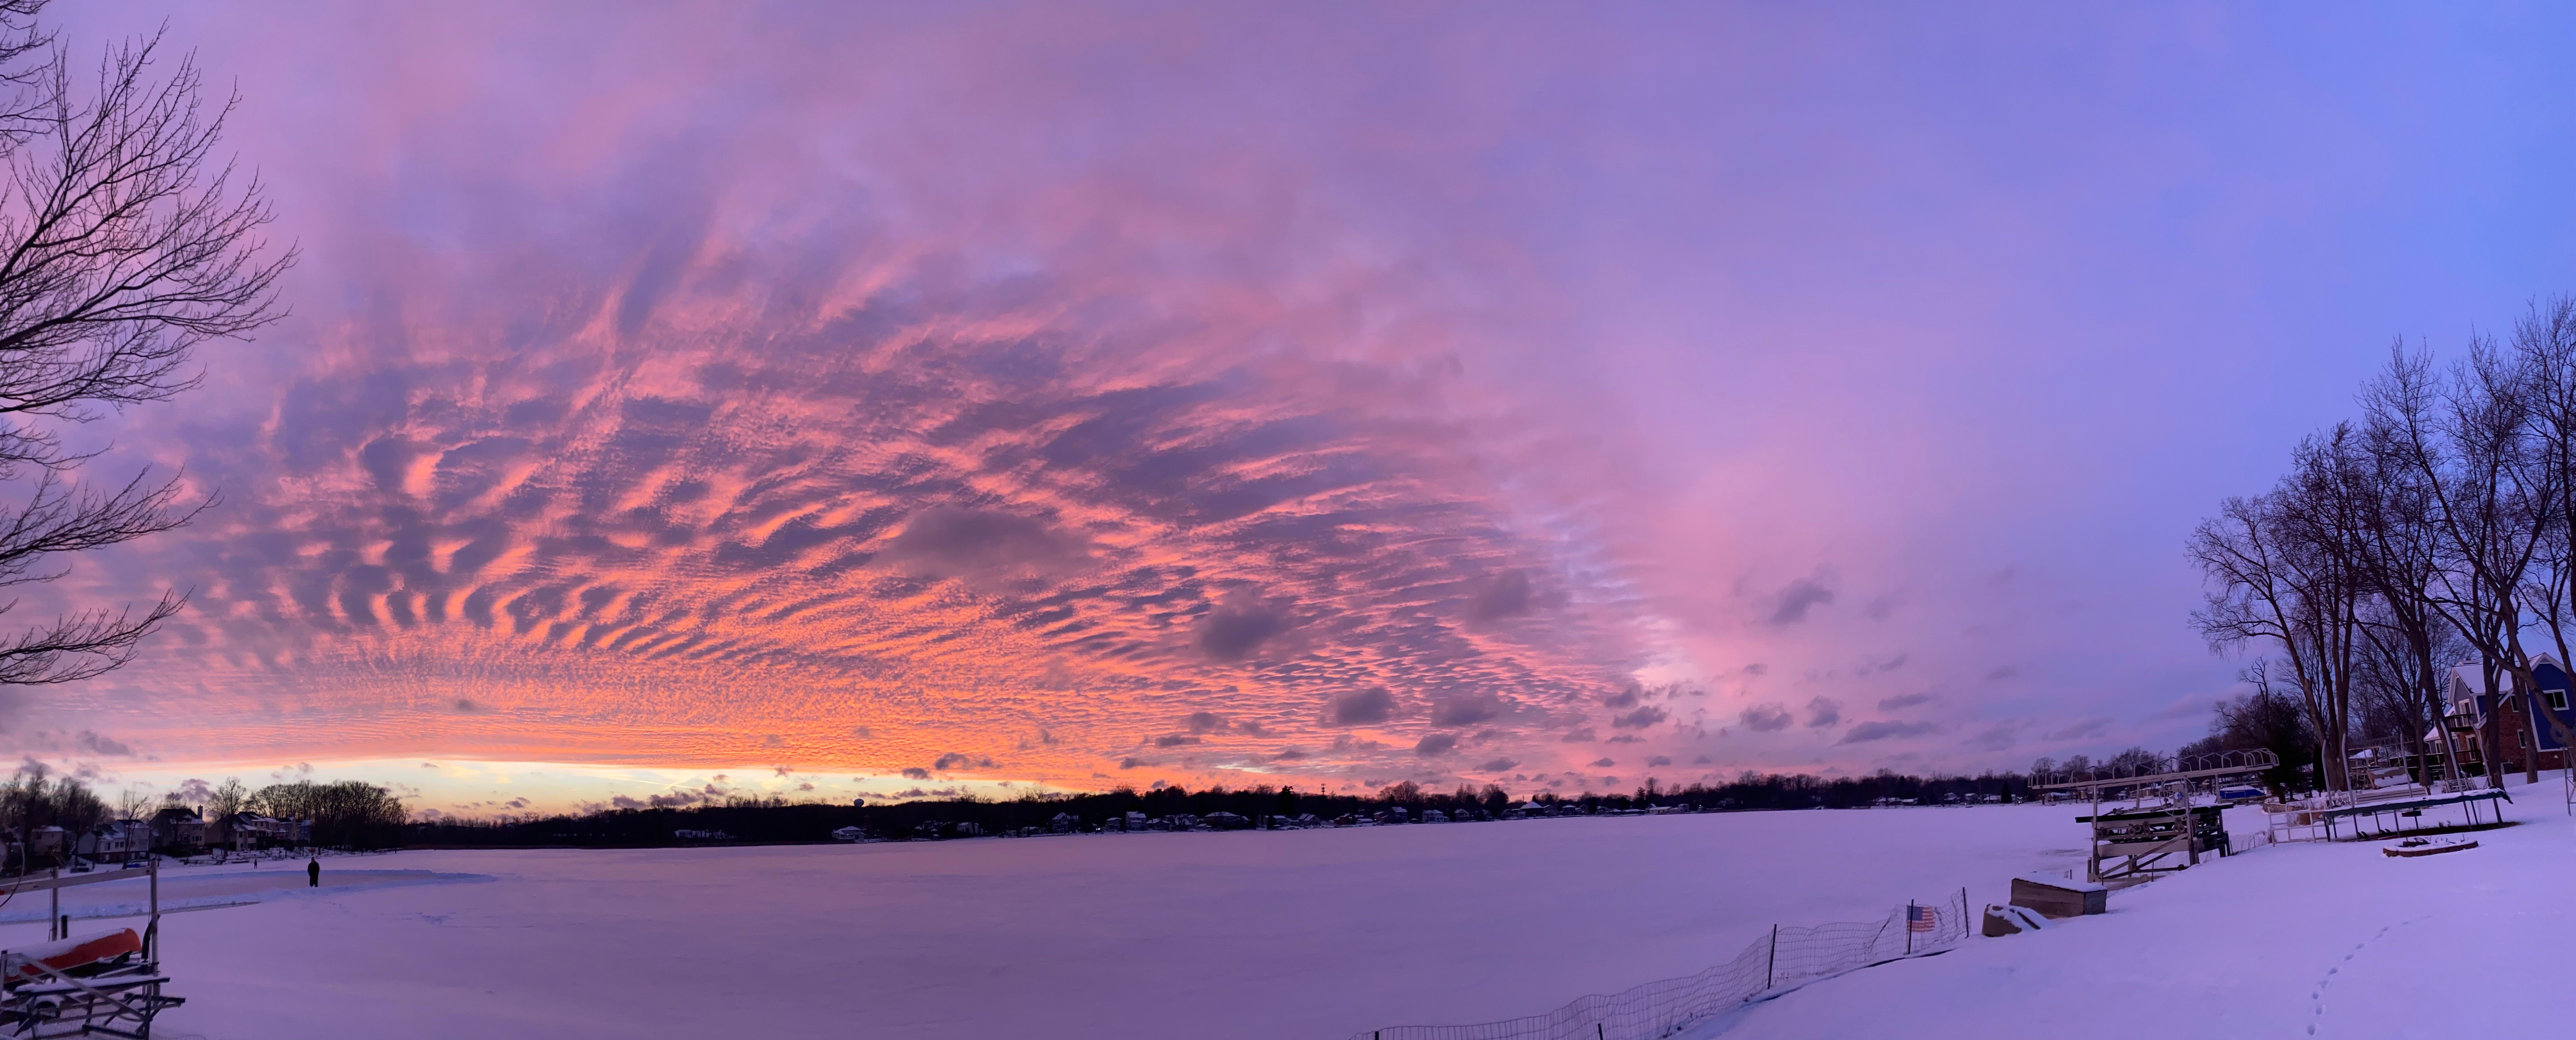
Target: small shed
{"type": "Point", "coordinates": [2058, 897]}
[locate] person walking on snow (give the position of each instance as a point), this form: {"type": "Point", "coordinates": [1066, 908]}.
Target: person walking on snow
{"type": "Point", "coordinates": [313, 872]}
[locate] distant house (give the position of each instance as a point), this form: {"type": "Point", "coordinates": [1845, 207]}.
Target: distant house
{"type": "Point", "coordinates": [2525, 745]}
{"type": "Point", "coordinates": [2552, 700]}
{"type": "Point", "coordinates": [685, 834]}
{"type": "Point", "coordinates": [249, 831]}
{"type": "Point", "coordinates": [178, 830]}
{"type": "Point", "coordinates": [1434, 816]}
{"type": "Point", "coordinates": [1226, 821]}
{"type": "Point", "coordinates": [115, 841]}
{"type": "Point", "coordinates": [849, 834]}
{"type": "Point", "coordinates": [1064, 823]}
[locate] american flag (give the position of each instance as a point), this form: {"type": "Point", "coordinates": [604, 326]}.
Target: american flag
{"type": "Point", "coordinates": [1921, 918]}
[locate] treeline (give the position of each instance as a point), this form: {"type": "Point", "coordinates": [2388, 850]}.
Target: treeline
{"type": "Point", "coordinates": [2436, 528]}
{"type": "Point", "coordinates": [2265, 719]}
{"type": "Point", "coordinates": [762, 820]}
{"type": "Point", "coordinates": [31, 800]}
{"type": "Point", "coordinates": [348, 814]}
{"type": "Point", "coordinates": [345, 813]}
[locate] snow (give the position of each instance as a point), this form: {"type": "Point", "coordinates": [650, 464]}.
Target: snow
{"type": "Point", "coordinates": [1321, 934]}
{"type": "Point", "coordinates": [2061, 881]}
{"type": "Point", "coordinates": [1259, 934]}
{"type": "Point", "coordinates": [2023, 918]}
{"type": "Point", "coordinates": [2303, 939]}
{"type": "Point", "coordinates": [208, 887]}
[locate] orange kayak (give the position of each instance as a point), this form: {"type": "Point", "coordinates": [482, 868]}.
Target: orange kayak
{"type": "Point", "coordinates": [71, 953]}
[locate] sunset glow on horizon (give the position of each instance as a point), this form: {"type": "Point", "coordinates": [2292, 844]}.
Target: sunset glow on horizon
{"type": "Point", "coordinates": [693, 401]}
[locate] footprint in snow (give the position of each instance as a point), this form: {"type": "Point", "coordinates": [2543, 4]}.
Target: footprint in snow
{"type": "Point", "coordinates": [2317, 996]}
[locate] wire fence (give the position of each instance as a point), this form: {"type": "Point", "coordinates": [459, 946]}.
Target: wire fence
{"type": "Point", "coordinates": [1785, 957]}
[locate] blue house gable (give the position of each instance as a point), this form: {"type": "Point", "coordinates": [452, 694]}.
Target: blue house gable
{"type": "Point", "coordinates": [2554, 699]}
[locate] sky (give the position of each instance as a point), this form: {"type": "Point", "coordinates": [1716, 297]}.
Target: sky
{"type": "Point", "coordinates": [839, 401]}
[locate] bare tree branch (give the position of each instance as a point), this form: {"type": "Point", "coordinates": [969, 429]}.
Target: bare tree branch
{"type": "Point", "coordinates": [126, 242]}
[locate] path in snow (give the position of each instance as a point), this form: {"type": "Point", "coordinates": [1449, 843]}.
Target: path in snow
{"type": "Point", "coordinates": [107, 904]}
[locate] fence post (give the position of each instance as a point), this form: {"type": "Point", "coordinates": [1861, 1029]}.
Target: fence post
{"type": "Point", "coordinates": [1909, 928]}
{"type": "Point", "coordinates": [1772, 963]}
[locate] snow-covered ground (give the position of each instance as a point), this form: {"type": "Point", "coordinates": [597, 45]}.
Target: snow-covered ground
{"type": "Point", "coordinates": [1319, 934]}
{"type": "Point", "coordinates": [2290, 941]}
{"type": "Point", "coordinates": [1307, 934]}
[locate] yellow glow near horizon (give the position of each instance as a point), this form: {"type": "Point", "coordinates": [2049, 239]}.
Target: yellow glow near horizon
{"type": "Point", "coordinates": [464, 787]}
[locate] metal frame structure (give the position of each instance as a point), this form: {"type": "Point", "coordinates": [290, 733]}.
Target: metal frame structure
{"type": "Point", "coordinates": [116, 998]}
{"type": "Point", "coordinates": [2399, 811]}
{"type": "Point", "coordinates": [2132, 844]}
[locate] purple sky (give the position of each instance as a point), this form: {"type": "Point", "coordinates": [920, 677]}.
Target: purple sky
{"type": "Point", "coordinates": [1551, 395]}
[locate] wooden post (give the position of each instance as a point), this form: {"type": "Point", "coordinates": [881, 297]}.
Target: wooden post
{"type": "Point", "coordinates": [1909, 928]}
{"type": "Point", "coordinates": [53, 918]}
{"type": "Point", "coordinates": [2093, 846]}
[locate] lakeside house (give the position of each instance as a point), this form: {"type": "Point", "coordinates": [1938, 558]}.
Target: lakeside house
{"type": "Point", "coordinates": [250, 832]}
{"type": "Point", "coordinates": [2524, 744]}
{"type": "Point", "coordinates": [114, 841]}
{"type": "Point", "coordinates": [178, 830]}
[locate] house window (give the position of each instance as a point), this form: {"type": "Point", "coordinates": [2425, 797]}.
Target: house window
{"type": "Point", "coordinates": [2557, 699]}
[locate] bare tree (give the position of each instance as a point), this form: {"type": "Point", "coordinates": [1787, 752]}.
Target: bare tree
{"type": "Point", "coordinates": [227, 798]}
{"type": "Point", "coordinates": [2445, 524]}
{"type": "Point", "coordinates": [2390, 688]}
{"type": "Point", "coordinates": [2271, 721]}
{"type": "Point", "coordinates": [2470, 446]}
{"type": "Point", "coordinates": [126, 241]}
{"type": "Point", "coordinates": [2273, 581]}
{"type": "Point", "coordinates": [2546, 341]}
{"type": "Point", "coordinates": [134, 803]}
{"type": "Point", "coordinates": [2397, 553]}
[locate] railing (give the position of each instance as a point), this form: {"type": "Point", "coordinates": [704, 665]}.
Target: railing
{"type": "Point", "coordinates": [1782, 959]}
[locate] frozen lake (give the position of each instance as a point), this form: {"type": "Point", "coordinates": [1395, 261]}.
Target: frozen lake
{"type": "Point", "coordinates": [1304, 934]}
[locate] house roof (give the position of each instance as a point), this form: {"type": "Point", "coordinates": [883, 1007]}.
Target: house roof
{"type": "Point", "coordinates": [2468, 680]}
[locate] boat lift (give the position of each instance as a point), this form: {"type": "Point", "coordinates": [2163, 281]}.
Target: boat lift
{"type": "Point", "coordinates": [2131, 845]}
{"type": "Point", "coordinates": [105, 983]}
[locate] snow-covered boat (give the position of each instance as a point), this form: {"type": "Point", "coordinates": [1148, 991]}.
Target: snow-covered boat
{"type": "Point", "coordinates": [105, 983]}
